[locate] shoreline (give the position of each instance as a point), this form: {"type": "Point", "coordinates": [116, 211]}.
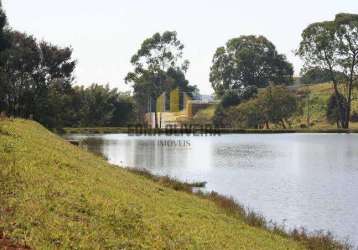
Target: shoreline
{"type": "Point", "coordinates": [315, 240]}
{"type": "Point", "coordinates": [85, 191]}
{"type": "Point", "coordinates": [203, 132]}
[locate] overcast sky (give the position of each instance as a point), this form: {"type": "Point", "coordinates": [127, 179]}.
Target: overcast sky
{"type": "Point", "coordinates": [105, 34]}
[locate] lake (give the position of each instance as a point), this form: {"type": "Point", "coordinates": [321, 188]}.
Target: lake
{"type": "Point", "coordinates": [308, 180]}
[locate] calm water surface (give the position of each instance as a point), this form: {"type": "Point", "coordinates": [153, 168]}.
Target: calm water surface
{"type": "Point", "coordinates": [308, 180]}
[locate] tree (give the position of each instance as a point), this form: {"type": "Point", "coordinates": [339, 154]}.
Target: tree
{"type": "Point", "coordinates": [249, 115]}
{"type": "Point", "coordinates": [152, 61]}
{"type": "Point", "coordinates": [123, 112]}
{"type": "Point", "coordinates": [175, 78]}
{"type": "Point", "coordinates": [31, 73]}
{"type": "Point", "coordinates": [20, 62]}
{"type": "Point", "coordinates": [274, 105]}
{"type": "Point", "coordinates": [36, 82]}
{"type": "Point", "coordinates": [54, 80]}
{"type": "Point", "coordinates": [277, 104]}
{"type": "Point", "coordinates": [332, 46]}
{"type": "Point", "coordinates": [333, 110]}
{"type": "Point", "coordinates": [4, 43]}
{"type": "Point", "coordinates": [98, 105]}
{"type": "Point", "coordinates": [247, 61]}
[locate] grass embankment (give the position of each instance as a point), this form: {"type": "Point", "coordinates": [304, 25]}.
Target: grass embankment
{"type": "Point", "coordinates": [54, 195]}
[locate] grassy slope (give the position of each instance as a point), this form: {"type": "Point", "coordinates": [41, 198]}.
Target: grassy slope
{"type": "Point", "coordinates": [319, 95]}
{"type": "Point", "coordinates": [205, 116]}
{"type": "Point", "coordinates": [54, 195]}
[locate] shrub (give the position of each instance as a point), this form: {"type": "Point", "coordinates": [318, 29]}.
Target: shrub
{"type": "Point", "coordinates": [274, 105]}
{"type": "Point", "coordinates": [333, 110]}
{"type": "Point", "coordinates": [354, 117]}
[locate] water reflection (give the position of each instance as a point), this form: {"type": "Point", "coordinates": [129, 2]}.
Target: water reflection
{"type": "Point", "coordinates": [299, 179]}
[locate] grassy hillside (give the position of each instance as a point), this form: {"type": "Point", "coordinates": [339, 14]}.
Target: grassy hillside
{"type": "Point", "coordinates": [316, 106]}
{"type": "Point", "coordinates": [205, 116]}
{"type": "Point", "coordinates": [54, 195]}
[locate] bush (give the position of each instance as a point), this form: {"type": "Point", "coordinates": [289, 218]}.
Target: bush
{"type": "Point", "coordinates": [354, 117]}
{"type": "Point", "coordinates": [248, 115]}
{"type": "Point", "coordinates": [277, 104]}
{"type": "Point", "coordinates": [224, 116]}
{"type": "Point", "coordinates": [274, 105]}
{"type": "Point", "coordinates": [333, 110]}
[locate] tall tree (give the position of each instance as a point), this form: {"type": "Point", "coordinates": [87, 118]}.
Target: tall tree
{"type": "Point", "coordinates": [20, 63]}
{"type": "Point", "coordinates": [152, 61]}
{"type": "Point", "coordinates": [31, 74]}
{"type": "Point", "coordinates": [4, 43]}
{"type": "Point", "coordinates": [248, 60]}
{"type": "Point", "coordinates": [333, 46]}
{"type": "Point", "coordinates": [3, 22]}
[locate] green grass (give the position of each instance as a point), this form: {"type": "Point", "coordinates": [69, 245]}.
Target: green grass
{"type": "Point", "coordinates": [316, 241]}
{"type": "Point", "coordinates": [53, 195]}
{"type": "Point", "coordinates": [319, 95]}
{"type": "Point", "coordinates": [205, 116]}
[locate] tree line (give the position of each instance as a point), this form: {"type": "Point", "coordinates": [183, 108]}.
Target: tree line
{"type": "Point", "coordinates": [36, 81]}
{"type": "Point", "coordinates": [37, 78]}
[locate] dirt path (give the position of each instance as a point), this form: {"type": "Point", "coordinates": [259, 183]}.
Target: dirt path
{"type": "Point", "coordinates": [7, 244]}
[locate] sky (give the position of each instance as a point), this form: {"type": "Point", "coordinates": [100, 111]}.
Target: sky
{"type": "Point", "coordinates": [105, 34]}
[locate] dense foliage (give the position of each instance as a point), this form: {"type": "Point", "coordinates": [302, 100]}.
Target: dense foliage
{"type": "Point", "coordinates": [100, 106]}
{"type": "Point", "coordinates": [274, 105]}
{"type": "Point", "coordinates": [248, 61]}
{"type": "Point", "coordinates": [333, 109]}
{"type": "Point", "coordinates": [3, 22]}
